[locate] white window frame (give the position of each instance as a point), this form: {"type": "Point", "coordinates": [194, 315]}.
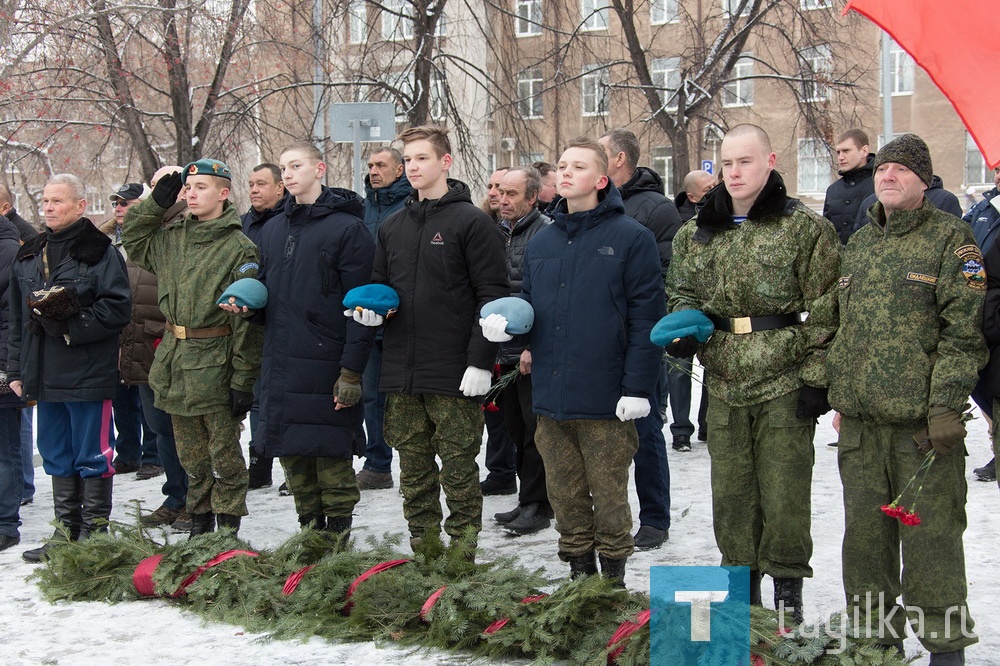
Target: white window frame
{"type": "Point", "coordinates": [396, 28]}
{"type": "Point", "coordinates": [357, 21]}
{"type": "Point", "coordinates": [664, 11]}
{"type": "Point", "coordinates": [902, 70]}
{"type": "Point", "coordinates": [662, 162]}
{"type": "Point", "coordinates": [595, 15]}
{"type": "Point", "coordinates": [739, 91]}
{"type": "Point", "coordinates": [666, 76]}
{"type": "Point", "coordinates": [814, 166]}
{"type": "Point", "coordinates": [96, 204]}
{"type": "Point", "coordinates": [816, 61]}
{"type": "Point", "coordinates": [529, 93]}
{"type": "Point", "coordinates": [807, 5]}
{"type": "Point", "coordinates": [527, 18]}
{"type": "Point", "coordinates": [977, 172]}
{"type": "Point", "coordinates": [729, 5]}
{"type": "Point", "coordinates": [594, 86]}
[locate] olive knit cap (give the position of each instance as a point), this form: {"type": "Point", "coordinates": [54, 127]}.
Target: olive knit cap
{"type": "Point", "coordinates": [910, 151]}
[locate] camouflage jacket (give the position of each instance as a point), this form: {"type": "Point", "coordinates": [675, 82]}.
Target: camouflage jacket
{"type": "Point", "coordinates": [911, 301]}
{"type": "Point", "coordinates": [194, 262]}
{"type": "Point", "coordinates": [783, 259]}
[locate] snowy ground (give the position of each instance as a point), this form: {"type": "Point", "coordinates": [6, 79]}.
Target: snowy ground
{"type": "Point", "coordinates": [154, 632]}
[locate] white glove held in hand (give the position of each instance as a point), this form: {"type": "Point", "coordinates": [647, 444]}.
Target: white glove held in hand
{"type": "Point", "coordinates": [476, 381]}
{"type": "Point", "coordinates": [365, 317]}
{"type": "Point", "coordinates": [495, 328]}
{"type": "Point", "coordinates": [630, 408]}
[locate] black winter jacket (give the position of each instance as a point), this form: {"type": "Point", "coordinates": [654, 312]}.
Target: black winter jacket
{"type": "Point", "coordinates": [25, 230]}
{"type": "Point", "coordinates": [645, 203]}
{"type": "Point", "coordinates": [253, 221]}
{"type": "Point", "coordinates": [991, 317]}
{"type": "Point", "coordinates": [516, 240]}
{"type": "Point", "coordinates": [382, 202]}
{"type": "Point", "coordinates": [9, 243]}
{"type": "Point", "coordinates": [86, 369]}
{"type": "Point", "coordinates": [940, 197]}
{"type": "Point", "coordinates": [686, 209]}
{"type": "Point", "coordinates": [845, 195]}
{"type": "Point", "coordinates": [446, 260]}
{"type": "Point", "coordinates": [311, 255]}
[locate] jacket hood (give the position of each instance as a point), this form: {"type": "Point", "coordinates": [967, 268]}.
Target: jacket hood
{"type": "Point", "coordinates": [681, 199]}
{"type": "Point", "coordinates": [331, 200]}
{"type": "Point", "coordinates": [609, 202]}
{"type": "Point", "coordinates": [457, 191]}
{"type": "Point", "coordinates": [864, 171]}
{"type": "Point", "coordinates": [717, 213]}
{"type": "Point", "coordinates": [936, 183]}
{"type": "Point", "coordinates": [399, 190]}
{"type": "Point", "coordinates": [8, 231]}
{"type": "Point", "coordinates": [643, 180]}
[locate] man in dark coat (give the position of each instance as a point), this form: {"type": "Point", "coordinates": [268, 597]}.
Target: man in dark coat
{"type": "Point", "coordinates": [63, 352]}
{"type": "Point", "coordinates": [696, 185]}
{"type": "Point", "coordinates": [11, 458]}
{"type": "Point", "coordinates": [845, 195]}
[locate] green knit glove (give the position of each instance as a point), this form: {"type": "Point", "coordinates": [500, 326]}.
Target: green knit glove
{"type": "Point", "coordinates": [347, 389]}
{"type": "Point", "coordinates": [946, 429]}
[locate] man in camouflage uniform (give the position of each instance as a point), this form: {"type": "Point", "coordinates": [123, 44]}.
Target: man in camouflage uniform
{"type": "Point", "coordinates": [204, 370]}
{"type": "Point", "coordinates": [754, 260]}
{"type": "Point", "coordinates": [901, 368]}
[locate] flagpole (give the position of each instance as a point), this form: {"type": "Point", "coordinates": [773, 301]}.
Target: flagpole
{"type": "Point", "coordinates": [886, 88]}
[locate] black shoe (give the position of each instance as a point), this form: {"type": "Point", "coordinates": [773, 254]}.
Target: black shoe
{"type": "Point", "coordinates": [125, 466]}
{"type": "Point", "coordinates": [584, 565]}
{"type": "Point", "coordinates": [702, 435]}
{"type": "Point", "coordinates": [371, 480]}
{"type": "Point", "coordinates": [648, 538]}
{"type": "Point", "coordinates": [228, 521]}
{"type": "Point", "coordinates": [507, 516]}
{"type": "Point", "coordinates": [955, 658]}
{"type": "Point", "coordinates": [987, 472]}
{"type": "Point", "coordinates": [492, 487]}
{"type": "Point", "coordinates": [613, 570]}
{"type": "Point", "coordinates": [27, 500]}
{"type": "Point", "coordinates": [532, 519]}
{"type": "Point", "coordinates": [36, 555]}
{"type": "Point", "coordinates": [682, 443]}
{"type": "Point", "coordinates": [8, 541]}
{"type": "Point", "coordinates": [788, 594]}
{"type": "Point", "coordinates": [148, 471]}
{"type": "Point", "coordinates": [202, 523]}
{"type": "Point", "coordinates": [283, 490]}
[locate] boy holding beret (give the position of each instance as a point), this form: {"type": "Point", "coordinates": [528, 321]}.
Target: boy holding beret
{"type": "Point", "coordinates": [204, 370]}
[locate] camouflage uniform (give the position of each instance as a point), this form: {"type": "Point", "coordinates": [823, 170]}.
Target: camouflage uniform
{"type": "Point", "coordinates": [420, 427]}
{"type": "Point", "coordinates": [782, 259]}
{"type": "Point", "coordinates": [589, 459]}
{"type": "Point", "coordinates": [194, 261]}
{"type": "Point", "coordinates": [911, 297]}
{"type": "Point", "coordinates": [321, 486]}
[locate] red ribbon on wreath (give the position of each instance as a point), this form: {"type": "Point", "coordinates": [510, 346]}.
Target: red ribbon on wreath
{"type": "Point", "coordinates": [142, 577]}
{"type": "Point", "coordinates": [626, 629]}
{"type": "Point", "coordinates": [431, 600]}
{"type": "Point", "coordinates": [294, 579]}
{"type": "Point", "coordinates": [502, 622]}
{"type": "Point", "coordinates": [378, 568]}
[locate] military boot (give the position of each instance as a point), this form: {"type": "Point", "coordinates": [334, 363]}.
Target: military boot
{"type": "Point", "coordinates": [228, 521]}
{"type": "Point", "coordinates": [202, 523]}
{"type": "Point", "coordinates": [750, 587]}
{"type": "Point", "coordinates": [67, 502]}
{"type": "Point", "coordinates": [96, 512]}
{"type": "Point", "coordinates": [584, 565]}
{"type": "Point", "coordinates": [613, 570]}
{"type": "Point", "coordinates": [339, 529]}
{"type": "Point", "coordinates": [956, 658]}
{"type": "Point", "coordinates": [315, 522]}
{"type": "Point", "coordinates": [755, 599]}
{"type": "Point", "coordinates": [788, 594]}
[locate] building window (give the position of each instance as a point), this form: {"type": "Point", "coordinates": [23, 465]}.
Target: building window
{"type": "Point", "coordinates": [357, 18]}
{"type": "Point", "coordinates": [594, 91]}
{"type": "Point", "coordinates": [901, 70]}
{"type": "Point", "coordinates": [814, 166]}
{"type": "Point", "coordinates": [976, 170]}
{"type": "Point", "coordinates": [396, 21]}
{"type": "Point", "coordinates": [529, 93]}
{"type": "Point", "coordinates": [96, 205]}
{"type": "Point", "coordinates": [527, 18]}
{"type": "Point", "coordinates": [439, 97]}
{"type": "Point", "coordinates": [666, 75]}
{"type": "Point", "coordinates": [733, 8]}
{"type": "Point", "coordinates": [814, 4]}
{"type": "Point", "coordinates": [595, 14]}
{"type": "Point", "coordinates": [662, 163]}
{"type": "Point", "coordinates": [739, 91]}
{"type": "Point", "coordinates": [663, 11]}
{"type": "Point", "coordinates": [816, 64]}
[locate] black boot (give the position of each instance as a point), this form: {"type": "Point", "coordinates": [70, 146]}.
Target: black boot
{"type": "Point", "coordinates": [260, 471]}
{"type": "Point", "coordinates": [96, 512]}
{"type": "Point", "coordinates": [202, 523]}
{"type": "Point", "coordinates": [613, 570]}
{"type": "Point", "coordinates": [788, 592]}
{"type": "Point", "coordinates": [315, 522]}
{"type": "Point", "coordinates": [740, 587]}
{"type": "Point", "coordinates": [67, 498]}
{"type": "Point", "coordinates": [228, 521]}
{"type": "Point", "coordinates": [955, 658]}
{"type": "Point", "coordinates": [755, 599]}
{"type": "Point", "coordinates": [584, 565]}
{"type": "Point", "coordinates": [339, 529]}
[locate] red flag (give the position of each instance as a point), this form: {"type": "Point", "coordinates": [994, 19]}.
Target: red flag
{"type": "Point", "coordinates": [956, 43]}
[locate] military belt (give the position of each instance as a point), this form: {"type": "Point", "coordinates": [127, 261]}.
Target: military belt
{"type": "Point", "coordinates": [743, 325]}
{"type": "Point", "coordinates": [186, 332]}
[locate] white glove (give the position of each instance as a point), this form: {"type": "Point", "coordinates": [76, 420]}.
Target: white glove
{"type": "Point", "coordinates": [365, 317]}
{"type": "Point", "coordinates": [630, 408]}
{"type": "Point", "coordinates": [495, 328]}
{"type": "Point", "coordinates": [476, 381]}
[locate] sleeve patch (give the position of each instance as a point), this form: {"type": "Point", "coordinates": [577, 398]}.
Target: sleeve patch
{"type": "Point", "coordinates": [921, 278]}
{"type": "Point", "coordinates": [972, 267]}
{"type": "Point", "coordinates": [247, 267]}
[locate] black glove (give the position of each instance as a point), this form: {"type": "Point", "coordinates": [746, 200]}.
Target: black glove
{"type": "Point", "coordinates": [239, 401]}
{"type": "Point", "coordinates": [812, 403]}
{"type": "Point", "coordinates": [166, 190]}
{"type": "Point", "coordinates": [683, 348]}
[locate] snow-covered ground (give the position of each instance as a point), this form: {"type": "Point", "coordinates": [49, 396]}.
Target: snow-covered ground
{"type": "Point", "coordinates": [154, 632]}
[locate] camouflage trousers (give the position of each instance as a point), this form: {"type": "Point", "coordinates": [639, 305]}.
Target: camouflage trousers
{"type": "Point", "coordinates": [586, 474]}
{"type": "Point", "coordinates": [208, 447]}
{"type": "Point", "coordinates": [321, 486]}
{"type": "Point", "coordinates": [762, 460]}
{"type": "Point", "coordinates": [422, 428]}
{"type": "Point", "coordinates": [876, 463]}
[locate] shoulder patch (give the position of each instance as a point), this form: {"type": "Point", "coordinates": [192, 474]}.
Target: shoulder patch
{"type": "Point", "coordinates": [921, 278]}
{"type": "Point", "coordinates": [972, 266]}
{"type": "Point", "coordinates": [249, 266]}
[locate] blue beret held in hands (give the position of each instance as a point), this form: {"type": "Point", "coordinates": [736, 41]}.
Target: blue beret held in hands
{"type": "Point", "coordinates": [682, 324]}
{"type": "Point", "coordinates": [518, 312]}
{"type": "Point", "coordinates": [248, 292]}
{"type": "Point", "coordinates": [379, 298]}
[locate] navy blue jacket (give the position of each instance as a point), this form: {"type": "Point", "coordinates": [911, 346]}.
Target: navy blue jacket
{"type": "Point", "coordinates": [311, 255]}
{"type": "Point", "coordinates": [985, 221]}
{"type": "Point", "coordinates": [594, 281]}
{"type": "Point", "coordinates": [382, 202]}
{"type": "Point", "coordinates": [253, 221]}
{"type": "Point", "coordinates": [845, 197]}
{"type": "Point", "coordinates": [9, 244]}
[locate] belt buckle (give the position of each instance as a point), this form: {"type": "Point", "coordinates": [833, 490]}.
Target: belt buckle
{"type": "Point", "coordinates": [180, 332]}
{"type": "Point", "coordinates": [741, 325]}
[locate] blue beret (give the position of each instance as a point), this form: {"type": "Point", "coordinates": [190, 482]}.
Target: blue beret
{"type": "Point", "coordinates": [206, 167]}
{"type": "Point", "coordinates": [518, 312]}
{"type": "Point", "coordinates": [681, 324]}
{"type": "Point", "coordinates": [380, 298]}
{"type": "Point", "coordinates": [248, 292]}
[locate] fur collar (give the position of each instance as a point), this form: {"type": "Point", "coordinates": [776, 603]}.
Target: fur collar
{"type": "Point", "coordinates": [717, 213]}
{"type": "Point", "coordinates": [88, 247]}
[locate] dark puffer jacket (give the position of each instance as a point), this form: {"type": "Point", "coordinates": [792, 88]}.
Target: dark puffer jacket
{"type": "Point", "coordinates": [845, 196]}
{"type": "Point", "coordinates": [445, 258]}
{"type": "Point", "coordinates": [382, 202]}
{"type": "Point", "coordinates": [985, 222]}
{"type": "Point", "coordinates": [516, 240]}
{"type": "Point", "coordinates": [645, 203]}
{"type": "Point", "coordinates": [9, 243]}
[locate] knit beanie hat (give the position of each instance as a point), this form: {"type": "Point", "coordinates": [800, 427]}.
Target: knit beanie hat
{"type": "Point", "coordinates": [910, 151]}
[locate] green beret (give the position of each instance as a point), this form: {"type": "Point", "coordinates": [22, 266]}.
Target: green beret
{"type": "Point", "coordinates": [206, 167]}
